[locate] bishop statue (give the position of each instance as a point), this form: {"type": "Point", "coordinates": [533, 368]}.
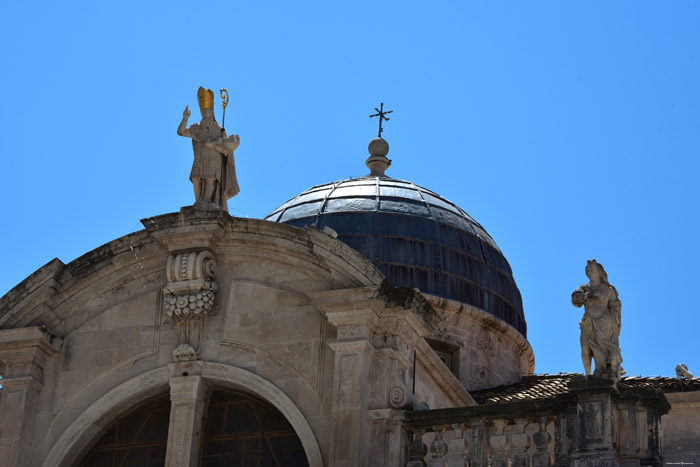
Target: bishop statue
{"type": "Point", "coordinates": [213, 174]}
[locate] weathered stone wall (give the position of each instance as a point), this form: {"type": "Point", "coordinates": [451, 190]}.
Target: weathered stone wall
{"type": "Point", "coordinates": [681, 428]}
{"type": "Point", "coordinates": [491, 353]}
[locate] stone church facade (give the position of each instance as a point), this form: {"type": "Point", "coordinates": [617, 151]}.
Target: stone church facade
{"type": "Point", "coordinates": [365, 322]}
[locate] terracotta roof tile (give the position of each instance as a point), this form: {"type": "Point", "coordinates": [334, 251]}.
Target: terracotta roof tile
{"type": "Point", "coordinates": [544, 386]}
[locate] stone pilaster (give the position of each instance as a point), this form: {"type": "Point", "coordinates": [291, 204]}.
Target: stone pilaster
{"type": "Point", "coordinates": [480, 444]}
{"type": "Point", "coordinates": [24, 353]}
{"type": "Point", "coordinates": [188, 397]}
{"type": "Point", "coordinates": [417, 449]}
{"type": "Point", "coordinates": [564, 436]}
{"type": "Point", "coordinates": [349, 444]}
{"type": "Point", "coordinates": [377, 330]}
{"type": "Point", "coordinates": [639, 421]}
{"type": "Point", "coordinates": [355, 315]}
{"type": "Point", "coordinates": [390, 443]}
{"type": "Point", "coordinates": [596, 422]}
{"type": "Point", "coordinates": [628, 442]}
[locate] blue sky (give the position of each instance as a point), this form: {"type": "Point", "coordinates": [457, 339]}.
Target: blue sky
{"type": "Point", "coordinates": [569, 130]}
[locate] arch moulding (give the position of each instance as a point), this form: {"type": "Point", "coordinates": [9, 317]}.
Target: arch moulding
{"type": "Point", "coordinates": [97, 417]}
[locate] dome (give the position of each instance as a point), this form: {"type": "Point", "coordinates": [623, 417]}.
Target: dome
{"type": "Point", "coordinates": [415, 237]}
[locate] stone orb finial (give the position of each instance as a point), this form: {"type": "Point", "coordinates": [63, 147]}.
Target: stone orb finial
{"type": "Point", "coordinates": [378, 147]}
{"type": "Point", "coordinates": [377, 161]}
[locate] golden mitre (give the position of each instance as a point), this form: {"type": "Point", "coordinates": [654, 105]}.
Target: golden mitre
{"type": "Point", "coordinates": [205, 98]}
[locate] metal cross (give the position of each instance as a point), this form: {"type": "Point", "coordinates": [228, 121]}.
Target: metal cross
{"type": "Point", "coordinates": [380, 113]}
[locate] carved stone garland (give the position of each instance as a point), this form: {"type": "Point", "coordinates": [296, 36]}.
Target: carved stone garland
{"type": "Point", "coordinates": [189, 297]}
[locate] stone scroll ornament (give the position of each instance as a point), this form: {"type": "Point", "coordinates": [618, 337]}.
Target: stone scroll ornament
{"type": "Point", "coordinates": [400, 395]}
{"type": "Point", "coordinates": [601, 323]}
{"type": "Point", "coordinates": [189, 297]}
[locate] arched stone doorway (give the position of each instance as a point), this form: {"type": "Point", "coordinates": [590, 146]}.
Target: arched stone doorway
{"type": "Point", "coordinates": [79, 437]}
{"type": "Point", "coordinates": [239, 430]}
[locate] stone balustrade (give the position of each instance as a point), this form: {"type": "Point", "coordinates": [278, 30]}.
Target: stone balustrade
{"type": "Point", "coordinates": [596, 423]}
{"type": "Point", "coordinates": [475, 436]}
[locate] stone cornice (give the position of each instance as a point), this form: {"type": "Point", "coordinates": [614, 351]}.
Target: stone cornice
{"type": "Point", "coordinates": [25, 352]}
{"type": "Point", "coordinates": [35, 336]}
{"type": "Point", "coordinates": [382, 300]}
{"type": "Point", "coordinates": [38, 288]}
{"type": "Point", "coordinates": [189, 229]}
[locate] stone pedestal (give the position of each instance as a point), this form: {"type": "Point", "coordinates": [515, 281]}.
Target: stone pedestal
{"type": "Point", "coordinates": [596, 422]}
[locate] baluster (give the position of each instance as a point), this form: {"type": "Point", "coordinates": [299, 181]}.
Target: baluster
{"type": "Point", "coordinates": [542, 440]}
{"type": "Point", "coordinates": [438, 448]}
{"type": "Point", "coordinates": [521, 443]}
{"type": "Point", "coordinates": [457, 448]}
{"type": "Point", "coordinates": [499, 445]}
{"type": "Point", "coordinates": [416, 450]}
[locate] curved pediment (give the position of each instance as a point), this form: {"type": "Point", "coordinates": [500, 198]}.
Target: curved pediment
{"type": "Point", "coordinates": [107, 274]}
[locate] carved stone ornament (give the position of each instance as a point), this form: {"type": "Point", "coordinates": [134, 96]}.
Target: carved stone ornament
{"type": "Point", "coordinates": [189, 297]}
{"type": "Point", "coordinates": [399, 397]}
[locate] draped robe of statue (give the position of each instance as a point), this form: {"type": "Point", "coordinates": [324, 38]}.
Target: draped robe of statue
{"type": "Point", "coordinates": [209, 163]}
{"type": "Point", "coordinates": [601, 323]}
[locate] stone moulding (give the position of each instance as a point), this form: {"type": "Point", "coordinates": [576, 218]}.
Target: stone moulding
{"type": "Point", "coordinates": [188, 297]}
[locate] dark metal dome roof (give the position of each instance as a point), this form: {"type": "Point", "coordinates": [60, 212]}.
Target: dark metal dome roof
{"type": "Point", "coordinates": [416, 238]}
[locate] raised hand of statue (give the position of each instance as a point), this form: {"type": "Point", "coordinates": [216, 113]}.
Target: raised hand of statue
{"type": "Point", "coordinates": [182, 129]}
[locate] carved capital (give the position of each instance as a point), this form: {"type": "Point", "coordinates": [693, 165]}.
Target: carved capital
{"type": "Point", "coordinates": [187, 271]}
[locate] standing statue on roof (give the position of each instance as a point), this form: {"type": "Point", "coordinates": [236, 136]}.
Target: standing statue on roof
{"type": "Point", "coordinates": [213, 174]}
{"type": "Point", "coordinates": [600, 326]}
